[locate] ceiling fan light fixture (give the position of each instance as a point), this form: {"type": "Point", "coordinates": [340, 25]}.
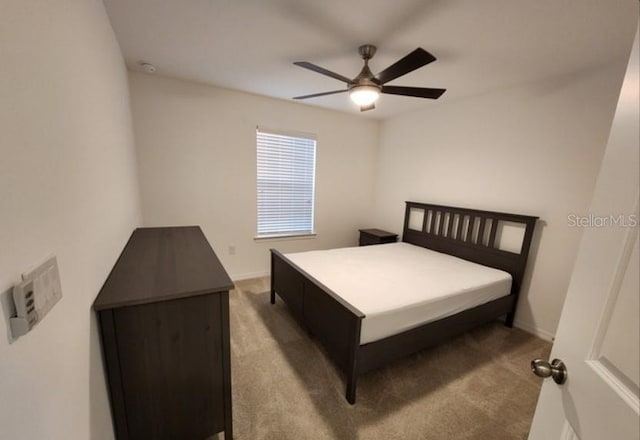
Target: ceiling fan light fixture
{"type": "Point", "coordinates": [365, 88]}
{"type": "Point", "coordinates": [364, 95]}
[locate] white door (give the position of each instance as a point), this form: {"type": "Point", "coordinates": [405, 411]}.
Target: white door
{"type": "Point", "coordinates": [598, 335]}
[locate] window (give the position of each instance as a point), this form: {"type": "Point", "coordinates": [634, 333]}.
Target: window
{"type": "Point", "coordinates": [286, 183]}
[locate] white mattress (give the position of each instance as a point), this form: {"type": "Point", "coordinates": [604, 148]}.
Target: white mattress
{"type": "Point", "coordinates": [399, 286]}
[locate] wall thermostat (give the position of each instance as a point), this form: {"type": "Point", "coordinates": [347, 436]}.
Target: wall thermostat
{"type": "Point", "coordinates": [38, 292]}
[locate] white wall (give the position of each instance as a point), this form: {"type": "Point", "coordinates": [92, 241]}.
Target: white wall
{"type": "Point", "coordinates": [67, 187]}
{"type": "Point", "coordinates": [535, 149]}
{"type": "Point", "coordinates": [196, 152]}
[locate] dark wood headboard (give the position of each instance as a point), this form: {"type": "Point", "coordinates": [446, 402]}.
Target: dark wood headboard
{"type": "Point", "coordinates": [470, 234]}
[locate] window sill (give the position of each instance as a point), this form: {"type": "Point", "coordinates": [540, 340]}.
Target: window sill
{"type": "Point", "coordinates": [285, 237]}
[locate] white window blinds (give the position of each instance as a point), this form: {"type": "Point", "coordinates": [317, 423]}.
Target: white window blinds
{"type": "Point", "coordinates": [286, 183]}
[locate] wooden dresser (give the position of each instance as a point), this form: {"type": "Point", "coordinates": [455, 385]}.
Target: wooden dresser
{"type": "Point", "coordinates": [164, 322]}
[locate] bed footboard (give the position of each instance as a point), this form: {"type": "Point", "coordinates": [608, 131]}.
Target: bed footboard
{"type": "Point", "coordinates": [331, 320]}
{"type": "Point", "coordinates": [384, 351]}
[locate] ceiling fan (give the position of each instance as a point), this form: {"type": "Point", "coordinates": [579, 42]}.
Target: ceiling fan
{"type": "Point", "coordinates": [365, 88]}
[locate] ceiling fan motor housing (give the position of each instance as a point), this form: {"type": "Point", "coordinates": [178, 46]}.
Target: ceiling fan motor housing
{"type": "Point", "coordinates": [366, 77]}
{"type": "Point", "coordinates": [367, 51]}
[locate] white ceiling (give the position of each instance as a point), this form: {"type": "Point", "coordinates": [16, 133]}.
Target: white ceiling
{"type": "Point", "coordinates": [481, 45]}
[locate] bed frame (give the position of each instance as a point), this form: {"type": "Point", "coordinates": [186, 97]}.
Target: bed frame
{"type": "Point", "coordinates": [470, 234]}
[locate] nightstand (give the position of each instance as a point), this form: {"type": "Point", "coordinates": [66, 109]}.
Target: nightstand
{"type": "Point", "coordinates": [376, 236]}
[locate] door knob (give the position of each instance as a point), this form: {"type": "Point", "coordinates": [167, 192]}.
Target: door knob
{"type": "Point", "coordinates": [556, 370]}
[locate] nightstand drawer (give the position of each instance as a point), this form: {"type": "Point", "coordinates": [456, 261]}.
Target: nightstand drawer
{"type": "Point", "coordinates": [376, 236]}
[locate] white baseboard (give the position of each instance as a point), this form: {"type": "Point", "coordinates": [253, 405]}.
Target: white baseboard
{"type": "Point", "coordinates": [250, 275]}
{"type": "Point", "coordinates": [536, 331]}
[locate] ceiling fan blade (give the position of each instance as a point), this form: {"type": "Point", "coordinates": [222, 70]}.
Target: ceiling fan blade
{"type": "Point", "coordinates": [418, 92]}
{"type": "Point", "coordinates": [323, 71]}
{"type": "Point", "coordinates": [409, 63]}
{"type": "Point", "coordinates": [364, 108]}
{"type": "Point", "coordinates": [315, 95]}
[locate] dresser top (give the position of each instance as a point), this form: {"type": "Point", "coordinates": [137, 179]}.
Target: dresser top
{"type": "Point", "coordinates": [378, 233]}
{"type": "Point", "coordinates": [159, 264]}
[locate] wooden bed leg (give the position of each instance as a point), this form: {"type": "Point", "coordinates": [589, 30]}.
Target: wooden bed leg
{"type": "Point", "coordinates": [352, 370]}
{"type": "Point", "coordinates": [509, 321]}
{"type": "Point", "coordinates": [273, 290]}
{"type": "Point", "coordinates": [351, 388]}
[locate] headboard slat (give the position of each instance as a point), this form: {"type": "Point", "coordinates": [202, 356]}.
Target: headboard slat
{"type": "Point", "coordinates": [483, 222]}
{"type": "Point", "coordinates": [440, 223]}
{"type": "Point", "coordinates": [460, 225]}
{"type": "Point", "coordinates": [433, 221]}
{"type": "Point", "coordinates": [447, 226]}
{"type": "Point", "coordinates": [472, 221]}
{"type": "Point", "coordinates": [492, 234]}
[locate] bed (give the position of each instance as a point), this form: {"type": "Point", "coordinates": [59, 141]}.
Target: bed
{"type": "Point", "coordinates": [456, 268]}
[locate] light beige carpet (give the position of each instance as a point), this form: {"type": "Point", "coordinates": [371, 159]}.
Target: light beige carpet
{"type": "Point", "coordinates": [477, 386]}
